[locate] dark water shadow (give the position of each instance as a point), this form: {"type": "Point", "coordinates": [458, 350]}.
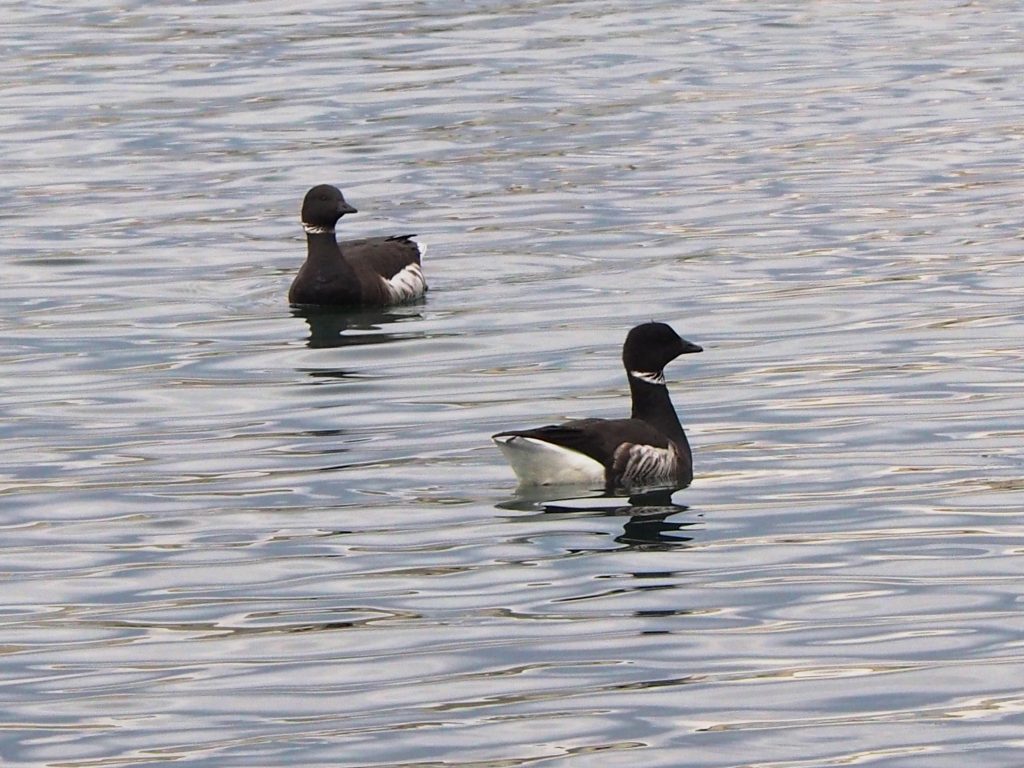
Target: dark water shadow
{"type": "Point", "coordinates": [647, 513]}
{"type": "Point", "coordinates": [336, 327]}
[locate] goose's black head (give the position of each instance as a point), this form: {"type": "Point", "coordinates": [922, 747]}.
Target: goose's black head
{"type": "Point", "coordinates": [652, 346]}
{"type": "Point", "coordinates": [323, 206]}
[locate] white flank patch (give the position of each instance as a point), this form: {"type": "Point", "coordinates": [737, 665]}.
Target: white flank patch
{"type": "Point", "coordinates": [656, 377]}
{"type": "Point", "coordinates": [406, 284]}
{"type": "Point", "coordinates": [421, 247]}
{"type": "Point", "coordinates": [647, 465]}
{"type": "Point", "coordinates": [536, 462]}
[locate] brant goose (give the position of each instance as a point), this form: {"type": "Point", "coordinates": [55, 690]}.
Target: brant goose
{"type": "Point", "coordinates": [374, 271]}
{"type": "Point", "coordinates": [647, 450]}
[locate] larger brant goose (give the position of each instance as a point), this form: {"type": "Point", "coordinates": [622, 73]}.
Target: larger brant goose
{"type": "Point", "coordinates": [374, 271]}
{"type": "Point", "coordinates": [647, 450]}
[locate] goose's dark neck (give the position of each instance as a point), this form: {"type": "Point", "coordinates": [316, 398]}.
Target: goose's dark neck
{"type": "Point", "coordinates": [325, 264]}
{"type": "Point", "coordinates": [652, 404]}
{"type": "Point", "coordinates": [321, 244]}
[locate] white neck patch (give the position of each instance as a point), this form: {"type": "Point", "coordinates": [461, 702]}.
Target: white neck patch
{"type": "Point", "coordinates": [313, 230]}
{"type": "Point", "coordinates": [655, 377]}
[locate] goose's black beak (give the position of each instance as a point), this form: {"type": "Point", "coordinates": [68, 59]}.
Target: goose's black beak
{"type": "Point", "coordinates": [688, 346]}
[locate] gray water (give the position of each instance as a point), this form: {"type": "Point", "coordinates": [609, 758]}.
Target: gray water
{"type": "Point", "coordinates": [234, 536]}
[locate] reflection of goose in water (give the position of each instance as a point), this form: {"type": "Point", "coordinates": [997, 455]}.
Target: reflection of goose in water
{"type": "Point", "coordinates": [647, 450]}
{"type": "Point", "coordinates": [646, 527]}
{"type": "Point", "coordinates": [328, 326]}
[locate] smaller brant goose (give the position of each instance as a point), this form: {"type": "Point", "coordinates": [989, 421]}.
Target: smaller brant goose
{"type": "Point", "coordinates": [374, 271]}
{"type": "Point", "coordinates": [650, 449]}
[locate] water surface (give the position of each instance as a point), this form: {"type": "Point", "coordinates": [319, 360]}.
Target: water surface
{"type": "Point", "coordinates": [234, 535]}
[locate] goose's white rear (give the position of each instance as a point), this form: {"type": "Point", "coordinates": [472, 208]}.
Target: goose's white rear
{"type": "Point", "coordinates": [537, 462]}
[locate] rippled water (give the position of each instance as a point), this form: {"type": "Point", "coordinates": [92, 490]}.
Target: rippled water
{"type": "Point", "coordinates": [234, 536]}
